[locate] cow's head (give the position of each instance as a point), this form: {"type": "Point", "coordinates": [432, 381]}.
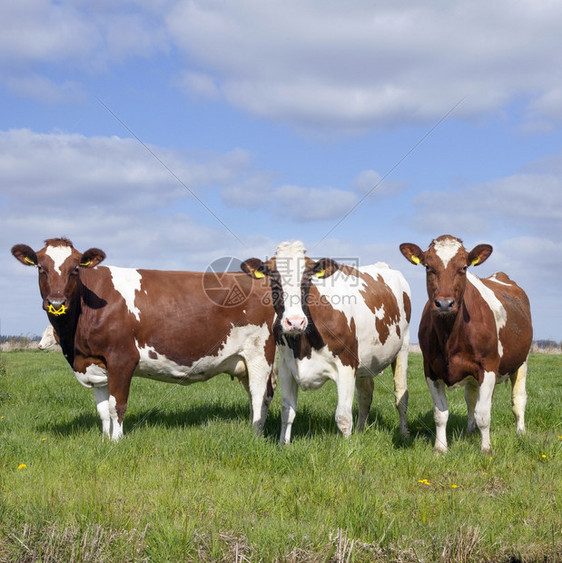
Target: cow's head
{"type": "Point", "coordinates": [291, 274]}
{"type": "Point", "coordinates": [446, 262]}
{"type": "Point", "coordinates": [58, 265]}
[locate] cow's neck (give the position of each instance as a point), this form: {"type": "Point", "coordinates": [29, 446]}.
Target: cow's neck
{"type": "Point", "coordinates": [65, 327]}
{"type": "Point", "coordinates": [301, 344]}
{"type": "Point", "coordinates": [449, 328]}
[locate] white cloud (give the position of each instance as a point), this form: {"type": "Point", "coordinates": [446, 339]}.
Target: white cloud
{"type": "Point", "coordinates": [313, 204]}
{"type": "Point", "coordinates": [325, 65]}
{"type": "Point", "coordinates": [43, 89]}
{"type": "Point", "coordinates": [522, 202]}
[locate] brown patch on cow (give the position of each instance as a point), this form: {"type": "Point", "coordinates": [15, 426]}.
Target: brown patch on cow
{"type": "Point", "coordinates": [407, 306]}
{"type": "Point", "coordinates": [152, 355]}
{"type": "Point", "coordinates": [378, 296]}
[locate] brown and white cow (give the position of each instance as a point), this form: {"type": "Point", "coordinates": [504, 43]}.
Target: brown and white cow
{"type": "Point", "coordinates": [114, 323]}
{"type": "Point", "coordinates": [473, 332]}
{"type": "Point", "coordinates": [336, 322]}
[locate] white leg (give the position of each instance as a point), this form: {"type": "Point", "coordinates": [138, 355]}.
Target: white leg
{"type": "Point", "coordinates": [346, 388]}
{"type": "Point", "coordinates": [258, 374]}
{"type": "Point", "coordinates": [440, 413]}
{"type": "Point", "coordinates": [117, 428]}
{"type": "Point", "coordinates": [364, 386]}
{"type": "Point", "coordinates": [471, 396]}
{"type": "Point", "coordinates": [102, 401]}
{"type": "Point", "coordinates": [289, 391]}
{"type": "Point", "coordinates": [519, 397]}
{"type": "Point", "coordinates": [483, 409]}
{"type": "Point", "coordinates": [400, 371]}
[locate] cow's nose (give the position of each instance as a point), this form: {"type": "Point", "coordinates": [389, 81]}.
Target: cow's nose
{"type": "Point", "coordinates": [444, 305]}
{"type": "Point", "coordinates": [56, 305]}
{"type": "Point", "coordinates": [296, 323]}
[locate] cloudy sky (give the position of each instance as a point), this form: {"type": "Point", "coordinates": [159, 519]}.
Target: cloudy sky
{"type": "Point", "coordinates": [171, 133]}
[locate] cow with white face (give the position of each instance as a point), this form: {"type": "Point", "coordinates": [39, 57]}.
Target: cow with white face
{"type": "Point", "coordinates": [114, 323]}
{"type": "Point", "coordinates": [473, 332]}
{"type": "Point", "coordinates": [339, 323]}
{"type": "Point", "coordinates": [49, 339]}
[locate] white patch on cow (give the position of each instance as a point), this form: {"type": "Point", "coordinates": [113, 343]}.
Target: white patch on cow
{"type": "Point", "coordinates": [58, 255]}
{"type": "Point", "coordinates": [446, 249]}
{"type": "Point", "coordinates": [94, 376]}
{"type": "Point", "coordinates": [127, 281]}
{"type": "Point", "coordinates": [500, 314]}
{"type": "Point", "coordinates": [243, 347]}
{"type": "Point", "coordinates": [291, 262]}
{"type": "Point", "coordinates": [494, 279]}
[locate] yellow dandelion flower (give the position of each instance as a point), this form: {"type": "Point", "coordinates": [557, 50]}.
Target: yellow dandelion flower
{"type": "Point", "coordinates": [22, 466]}
{"type": "Point", "coordinates": [43, 439]}
{"type": "Point", "coordinates": [454, 486]}
{"type": "Point", "coordinates": [543, 456]}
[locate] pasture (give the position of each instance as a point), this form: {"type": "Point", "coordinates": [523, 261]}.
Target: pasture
{"type": "Point", "coordinates": [191, 482]}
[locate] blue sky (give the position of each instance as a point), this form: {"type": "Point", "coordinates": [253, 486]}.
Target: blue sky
{"type": "Point", "coordinates": [172, 133]}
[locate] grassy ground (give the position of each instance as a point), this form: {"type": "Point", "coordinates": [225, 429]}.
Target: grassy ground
{"type": "Point", "coordinates": [190, 482]}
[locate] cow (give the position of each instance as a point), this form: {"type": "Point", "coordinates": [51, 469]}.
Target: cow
{"type": "Point", "coordinates": [473, 332]}
{"type": "Point", "coordinates": [336, 322]}
{"type": "Point", "coordinates": [49, 339]}
{"type": "Point", "coordinates": [114, 323]}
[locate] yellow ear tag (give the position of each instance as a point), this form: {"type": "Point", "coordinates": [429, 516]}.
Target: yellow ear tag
{"type": "Point", "coordinates": [475, 261]}
{"type": "Point", "coordinates": [29, 261]}
{"type": "Point", "coordinates": [415, 259]}
{"type": "Point", "coordinates": [321, 273]}
{"type": "Point", "coordinates": [86, 263]}
{"type": "Point", "coordinates": [258, 275]}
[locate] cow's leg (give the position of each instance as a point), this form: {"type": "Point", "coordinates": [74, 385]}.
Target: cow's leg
{"type": "Point", "coordinates": [289, 391]}
{"type": "Point", "coordinates": [483, 409]}
{"type": "Point", "coordinates": [346, 389]}
{"type": "Point", "coordinates": [471, 396]}
{"type": "Point", "coordinates": [519, 397]}
{"type": "Point", "coordinates": [400, 371]}
{"type": "Point", "coordinates": [102, 401]}
{"type": "Point", "coordinates": [259, 388]}
{"type": "Point", "coordinates": [364, 386]}
{"type": "Point", "coordinates": [440, 413]}
{"type": "Point", "coordinates": [119, 380]}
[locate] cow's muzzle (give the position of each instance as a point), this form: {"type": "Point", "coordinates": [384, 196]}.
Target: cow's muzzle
{"type": "Point", "coordinates": [295, 324]}
{"type": "Point", "coordinates": [444, 305]}
{"type": "Point", "coordinates": [56, 306]}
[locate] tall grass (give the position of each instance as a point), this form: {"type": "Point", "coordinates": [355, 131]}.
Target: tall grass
{"type": "Point", "coordinates": [190, 481]}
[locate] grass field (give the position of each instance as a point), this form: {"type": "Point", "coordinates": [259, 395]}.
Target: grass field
{"type": "Point", "coordinates": [190, 481]}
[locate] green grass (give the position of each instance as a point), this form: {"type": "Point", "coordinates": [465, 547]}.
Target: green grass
{"type": "Point", "coordinates": [190, 481]}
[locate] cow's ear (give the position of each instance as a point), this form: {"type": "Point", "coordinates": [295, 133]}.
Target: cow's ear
{"type": "Point", "coordinates": [92, 258]}
{"type": "Point", "coordinates": [254, 267]}
{"type": "Point", "coordinates": [325, 267]}
{"type": "Point", "coordinates": [478, 255]}
{"type": "Point", "coordinates": [412, 252]}
{"type": "Point", "coordinates": [25, 254]}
